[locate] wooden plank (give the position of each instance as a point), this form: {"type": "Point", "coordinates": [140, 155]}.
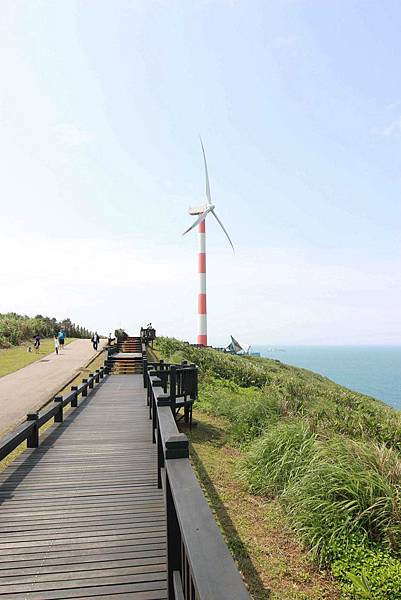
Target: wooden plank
{"type": "Point", "coordinates": [89, 591]}
{"type": "Point", "coordinates": [81, 516]}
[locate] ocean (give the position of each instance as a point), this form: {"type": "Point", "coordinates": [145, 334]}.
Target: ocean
{"type": "Point", "coordinates": [372, 370]}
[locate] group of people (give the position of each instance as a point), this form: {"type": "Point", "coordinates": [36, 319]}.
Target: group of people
{"type": "Point", "coordinates": [59, 339]}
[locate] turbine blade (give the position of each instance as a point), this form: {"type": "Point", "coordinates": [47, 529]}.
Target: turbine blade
{"type": "Point", "coordinates": [208, 195]}
{"type": "Point", "coordinates": [201, 218]}
{"type": "Point", "coordinates": [223, 228]}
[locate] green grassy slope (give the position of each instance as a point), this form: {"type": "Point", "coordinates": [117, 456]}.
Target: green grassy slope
{"type": "Point", "coordinates": [12, 359]}
{"type": "Point", "coordinates": [329, 456]}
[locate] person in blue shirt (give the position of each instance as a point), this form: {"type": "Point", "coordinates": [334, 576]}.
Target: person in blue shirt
{"type": "Point", "coordinates": [61, 338]}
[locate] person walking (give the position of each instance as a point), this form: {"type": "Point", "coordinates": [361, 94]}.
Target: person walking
{"type": "Point", "coordinates": [61, 338]}
{"type": "Point", "coordinates": [37, 343]}
{"type": "Point", "coordinates": [56, 344]}
{"type": "Point", "coordinates": [95, 340]}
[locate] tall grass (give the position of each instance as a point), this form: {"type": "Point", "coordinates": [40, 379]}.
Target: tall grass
{"type": "Point", "coordinates": [279, 457]}
{"type": "Point", "coordinates": [349, 487]}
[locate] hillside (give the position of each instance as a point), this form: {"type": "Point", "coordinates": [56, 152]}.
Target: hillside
{"type": "Point", "coordinates": [327, 456]}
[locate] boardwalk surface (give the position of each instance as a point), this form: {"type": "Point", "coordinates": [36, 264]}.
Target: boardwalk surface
{"type": "Point", "coordinates": [43, 378]}
{"type": "Point", "coordinates": [81, 516]}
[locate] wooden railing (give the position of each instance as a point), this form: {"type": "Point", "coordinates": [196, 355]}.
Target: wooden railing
{"type": "Point", "coordinates": [29, 430]}
{"type": "Point", "coordinates": [200, 566]}
{"type": "Point", "coordinates": [147, 334]}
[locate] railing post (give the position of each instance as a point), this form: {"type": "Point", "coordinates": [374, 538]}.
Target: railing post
{"type": "Point", "coordinates": [148, 387]}
{"type": "Point", "coordinates": [97, 376]}
{"type": "Point", "coordinates": [85, 388]}
{"type": "Point", "coordinates": [91, 381]}
{"type": "Point", "coordinates": [178, 589]}
{"type": "Point", "coordinates": [58, 417]}
{"type": "Point", "coordinates": [154, 416]}
{"type": "Point", "coordinates": [173, 387]}
{"type": "Point", "coordinates": [101, 371]}
{"type": "Point", "coordinates": [33, 439]}
{"type": "Point", "coordinates": [145, 370]}
{"type": "Point", "coordinates": [160, 458]}
{"type": "Point", "coordinates": [173, 539]}
{"type": "Point", "coordinates": [74, 401]}
{"type": "Point", "coordinates": [164, 377]}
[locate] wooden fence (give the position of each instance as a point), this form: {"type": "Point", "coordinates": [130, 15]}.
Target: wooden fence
{"type": "Point", "coordinates": [200, 566]}
{"type": "Point", "coordinates": [29, 430]}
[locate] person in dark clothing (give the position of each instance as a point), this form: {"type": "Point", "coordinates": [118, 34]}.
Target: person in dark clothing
{"type": "Point", "coordinates": [37, 342]}
{"type": "Point", "coordinates": [95, 340]}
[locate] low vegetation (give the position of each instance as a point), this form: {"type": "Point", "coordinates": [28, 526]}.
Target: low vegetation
{"type": "Point", "coordinates": [16, 357]}
{"type": "Point", "coordinates": [330, 457]}
{"type": "Point", "coordinates": [15, 328]}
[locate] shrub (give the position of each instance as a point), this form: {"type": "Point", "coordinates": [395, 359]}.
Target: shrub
{"type": "Point", "coordinates": [252, 417]}
{"type": "Point", "coordinates": [281, 456]}
{"type": "Point", "coordinates": [349, 487]}
{"type": "Point", "coordinates": [15, 328]}
{"type": "Point", "coordinates": [248, 410]}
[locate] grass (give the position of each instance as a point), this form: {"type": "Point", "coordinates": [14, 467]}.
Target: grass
{"type": "Point", "coordinates": [17, 357]}
{"type": "Point", "coordinates": [329, 457]}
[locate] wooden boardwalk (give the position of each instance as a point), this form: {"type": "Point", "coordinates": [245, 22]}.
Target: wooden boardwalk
{"type": "Point", "coordinates": [81, 516]}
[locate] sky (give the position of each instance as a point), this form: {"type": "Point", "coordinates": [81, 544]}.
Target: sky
{"type": "Point", "coordinates": [298, 103]}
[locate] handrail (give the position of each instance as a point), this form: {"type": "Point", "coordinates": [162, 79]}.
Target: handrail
{"type": "Point", "coordinates": [29, 430]}
{"type": "Point", "coordinates": [147, 334]}
{"type": "Point", "coordinates": [199, 564]}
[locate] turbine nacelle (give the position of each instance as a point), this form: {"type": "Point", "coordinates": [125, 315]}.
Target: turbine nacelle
{"type": "Point", "coordinates": [198, 210]}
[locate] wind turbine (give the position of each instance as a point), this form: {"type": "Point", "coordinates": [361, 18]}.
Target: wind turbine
{"type": "Point", "coordinates": [203, 211]}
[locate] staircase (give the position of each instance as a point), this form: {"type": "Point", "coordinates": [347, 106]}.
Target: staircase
{"type": "Point", "coordinates": [128, 358]}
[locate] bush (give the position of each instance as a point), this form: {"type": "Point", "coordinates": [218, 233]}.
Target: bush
{"type": "Point", "coordinates": [15, 328]}
{"type": "Point", "coordinates": [281, 456]}
{"type": "Point", "coordinates": [248, 410]}
{"type": "Point", "coordinates": [348, 487]}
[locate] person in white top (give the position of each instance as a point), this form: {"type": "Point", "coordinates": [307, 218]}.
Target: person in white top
{"type": "Point", "coordinates": [56, 344]}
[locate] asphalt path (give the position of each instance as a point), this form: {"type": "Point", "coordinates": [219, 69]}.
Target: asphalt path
{"type": "Point", "coordinates": [30, 388]}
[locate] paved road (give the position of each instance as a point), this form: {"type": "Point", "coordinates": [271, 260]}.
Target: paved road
{"type": "Point", "coordinates": [29, 388]}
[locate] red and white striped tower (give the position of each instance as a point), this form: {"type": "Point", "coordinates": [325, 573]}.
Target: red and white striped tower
{"type": "Point", "coordinates": [202, 313]}
{"type": "Point", "coordinates": [201, 212]}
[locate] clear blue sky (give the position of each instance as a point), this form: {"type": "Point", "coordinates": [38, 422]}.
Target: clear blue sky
{"type": "Point", "coordinates": [299, 106]}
